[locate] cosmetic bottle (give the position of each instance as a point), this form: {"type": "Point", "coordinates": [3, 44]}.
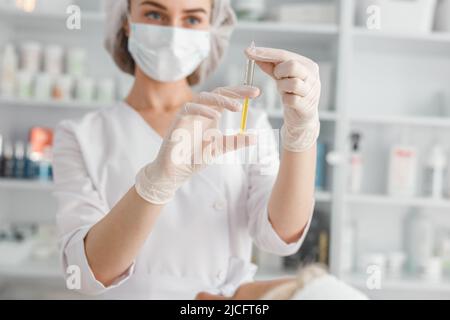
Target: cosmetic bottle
{"type": "Point", "coordinates": [30, 163]}
{"type": "Point", "coordinates": [9, 66]}
{"type": "Point", "coordinates": [321, 166]}
{"type": "Point", "coordinates": [19, 160]}
{"type": "Point", "coordinates": [419, 241]}
{"type": "Point", "coordinates": [356, 163]}
{"type": "Point", "coordinates": [8, 160]}
{"type": "Point", "coordinates": [402, 179]}
{"type": "Point", "coordinates": [434, 173]}
{"type": "Point", "coordinates": [1, 155]}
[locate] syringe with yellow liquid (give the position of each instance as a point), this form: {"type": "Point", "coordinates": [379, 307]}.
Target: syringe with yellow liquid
{"type": "Point", "coordinates": [249, 75]}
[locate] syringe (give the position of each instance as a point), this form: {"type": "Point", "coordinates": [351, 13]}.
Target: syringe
{"type": "Point", "coordinates": [249, 75]}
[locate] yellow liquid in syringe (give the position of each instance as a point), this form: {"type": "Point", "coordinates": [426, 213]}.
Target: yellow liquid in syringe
{"type": "Point", "coordinates": [249, 74]}
{"type": "Point", "coordinates": [244, 115]}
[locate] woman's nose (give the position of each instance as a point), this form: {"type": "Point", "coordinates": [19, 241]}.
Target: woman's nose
{"type": "Point", "coordinates": [175, 22]}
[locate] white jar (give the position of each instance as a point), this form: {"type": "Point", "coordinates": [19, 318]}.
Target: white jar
{"type": "Point", "coordinates": [85, 89]}
{"type": "Point", "coordinates": [53, 59]}
{"type": "Point", "coordinates": [8, 70]}
{"type": "Point", "coordinates": [31, 54]}
{"type": "Point", "coordinates": [43, 87]}
{"type": "Point", "coordinates": [24, 84]}
{"type": "Point", "coordinates": [62, 88]}
{"type": "Point", "coordinates": [76, 61]}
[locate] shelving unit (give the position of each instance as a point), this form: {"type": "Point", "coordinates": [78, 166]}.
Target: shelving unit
{"type": "Point", "coordinates": [408, 287]}
{"type": "Point", "coordinates": [375, 89]}
{"type": "Point", "coordinates": [382, 200]}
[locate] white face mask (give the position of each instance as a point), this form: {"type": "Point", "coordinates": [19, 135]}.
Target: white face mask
{"type": "Point", "coordinates": [168, 54]}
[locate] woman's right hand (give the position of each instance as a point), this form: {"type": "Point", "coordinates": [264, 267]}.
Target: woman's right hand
{"type": "Point", "coordinates": [193, 141]}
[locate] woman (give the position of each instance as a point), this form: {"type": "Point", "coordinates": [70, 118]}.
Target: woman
{"type": "Point", "coordinates": [138, 223]}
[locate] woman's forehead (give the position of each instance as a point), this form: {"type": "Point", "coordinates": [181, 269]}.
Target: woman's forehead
{"type": "Point", "coordinates": [180, 5]}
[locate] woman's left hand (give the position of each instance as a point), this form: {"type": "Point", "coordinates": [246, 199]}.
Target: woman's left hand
{"type": "Point", "coordinates": [298, 82]}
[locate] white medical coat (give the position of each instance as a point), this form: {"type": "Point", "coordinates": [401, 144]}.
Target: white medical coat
{"type": "Point", "coordinates": [202, 240]}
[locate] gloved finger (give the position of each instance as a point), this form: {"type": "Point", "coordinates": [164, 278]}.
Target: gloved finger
{"type": "Point", "coordinates": [239, 92]}
{"type": "Point", "coordinates": [291, 69]}
{"type": "Point", "coordinates": [276, 56]}
{"type": "Point", "coordinates": [219, 102]}
{"type": "Point", "coordinates": [303, 106]}
{"type": "Point", "coordinates": [195, 109]}
{"type": "Point", "coordinates": [294, 86]}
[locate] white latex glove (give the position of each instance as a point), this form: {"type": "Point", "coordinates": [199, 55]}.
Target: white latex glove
{"type": "Point", "coordinates": [192, 142]}
{"type": "Point", "coordinates": [298, 82]}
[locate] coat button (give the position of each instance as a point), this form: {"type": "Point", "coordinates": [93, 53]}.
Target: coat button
{"type": "Point", "coordinates": [221, 275]}
{"type": "Point", "coordinates": [219, 205]}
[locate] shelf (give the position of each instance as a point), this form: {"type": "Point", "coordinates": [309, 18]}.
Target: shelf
{"type": "Point", "coordinates": [25, 185]}
{"type": "Point", "coordinates": [52, 104]}
{"type": "Point", "coordinates": [424, 121]}
{"type": "Point", "coordinates": [434, 37]}
{"type": "Point", "coordinates": [281, 34]}
{"type": "Point", "coordinates": [274, 26]}
{"type": "Point", "coordinates": [398, 201]}
{"type": "Point", "coordinates": [407, 43]}
{"type": "Point", "coordinates": [328, 116]}
{"type": "Point", "coordinates": [42, 19]}
{"type": "Point", "coordinates": [407, 284]}
{"type": "Point", "coordinates": [32, 269]}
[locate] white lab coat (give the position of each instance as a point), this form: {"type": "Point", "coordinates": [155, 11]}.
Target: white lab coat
{"type": "Point", "coordinates": [202, 240]}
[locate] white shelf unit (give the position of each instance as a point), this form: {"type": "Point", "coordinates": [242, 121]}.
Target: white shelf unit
{"type": "Point", "coordinates": [372, 83]}
{"type": "Point", "coordinates": [380, 97]}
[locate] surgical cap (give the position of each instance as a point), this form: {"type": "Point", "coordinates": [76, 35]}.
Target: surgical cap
{"type": "Point", "coordinates": [116, 41]}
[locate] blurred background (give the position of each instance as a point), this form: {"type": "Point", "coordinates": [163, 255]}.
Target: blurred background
{"type": "Point", "coordinates": [383, 184]}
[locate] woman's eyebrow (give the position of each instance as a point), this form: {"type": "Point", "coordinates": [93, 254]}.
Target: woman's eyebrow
{"type": "Point", "coordinates": [196, 10]}
{"type": "Point", "coordinates": [155, 4]}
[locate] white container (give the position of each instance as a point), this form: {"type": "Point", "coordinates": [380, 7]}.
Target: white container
{"type": "Point", "coordinates": [54, 59]}
{"type": "Point", "coordinates": [356, 164]}
{"type": "Point", "coordinates": [43, 87]}
{"type": "Point", "coordinates": [307, 13]}
{"type": "Point", "coordinates": [435, 170]}
{"type": "Point", "coordinates": [443, 16]}
{"type": "Point", "coordinates": [409, 16]}
{"type": "Point", "coordinates": [419, 241]}
{"type": "Point", "coordinates": [396, 263]}
{"type": "Point", "coordinates": [433, 269]}
{"type": "Point", "coordinates": [76, 61]}
{"type": "Point", "coordinates": [63, 87]}
{"type": "Point", "coordinates": [106, 90]}
{"type": "Point", "coordinates": [349, 247]}
{"type": "Point", "coordinates": [8, 70]}
{"type": "Point", "coordinates": [24, 84]}
{"type": "Point", "coordinates": [31, 54]}
{"type": "Point", "coordinates": [85, 89]}
{"type": "Point", "coordinates": [249, 9]}
{"type": "Point", "coordinates": [326, 78]}
{"type": "Point", "coordinates": [402, 175]}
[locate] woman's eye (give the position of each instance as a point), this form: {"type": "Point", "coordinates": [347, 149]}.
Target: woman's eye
{"type": "Point", "coordinates": [193, 20]}
{"type": "Point", "coordinates": [154, 15]}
